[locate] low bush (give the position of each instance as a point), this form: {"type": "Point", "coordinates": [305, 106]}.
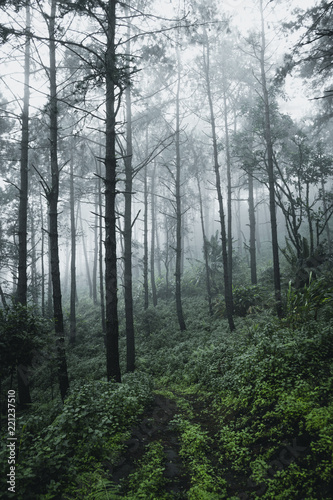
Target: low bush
{"type": "Point", "coordinates": [91, 428]}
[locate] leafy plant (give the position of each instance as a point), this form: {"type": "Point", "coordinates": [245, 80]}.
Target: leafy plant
{"type": "Point", "coordinates": [305, 304]}
{"type": "Point", "coordinates": [147, 482]}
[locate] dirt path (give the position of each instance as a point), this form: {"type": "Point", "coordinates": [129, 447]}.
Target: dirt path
{"type": "Point", "coordinates": [154, 426]}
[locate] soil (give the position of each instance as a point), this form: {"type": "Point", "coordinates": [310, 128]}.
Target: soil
{"type": "Point", "coordinates": [154, 426]}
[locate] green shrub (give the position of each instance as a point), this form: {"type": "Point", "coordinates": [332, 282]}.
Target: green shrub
{"type": "Point", "coordinates": [147, 482]}
{"type": "Point", "coordinates": [305, 304]}
{"type": "Point", "coordinates": [246, 298]}
{"type": "Point", "coordinates": [91, 428]}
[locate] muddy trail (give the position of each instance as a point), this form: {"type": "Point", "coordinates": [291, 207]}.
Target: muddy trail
{"type": "Point", "coordinates": [154, 426]}
{"type": "Point", "coordinates": [157, 424]}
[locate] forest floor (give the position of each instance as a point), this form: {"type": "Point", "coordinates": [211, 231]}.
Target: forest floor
{"type": "Point", "coordinates": [154, 426]}
{"type": "Point", "coordinates": [161, 423]}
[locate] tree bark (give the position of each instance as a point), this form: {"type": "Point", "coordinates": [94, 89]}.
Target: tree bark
{"type": "Point", "coordinates": [179, 248]}
{"type": "Point", "coordinates": [227, 283]}
{"type": "Point", "coordinates": [21, 295]}
{"type": "Point", "coordinates": [52, 197]}
{"type": "Point", "coordinates": [90, 286]}
{"type": "Point", "coordinates": [252, 220]}
{"type": "Point", "coordinates": [205, 251]}
{"type": "Point", "coordinates": [72, 314]}
{"type": "Point", "coordinates": [95, 261]}
{"type": "Point", "coordinates": [42, 258]}
{"type": "Point", "coordinates": [328, 233]}
{"type": "Point", "coordinates": [111, 297]}
{"type": "Point", "coordinates": [270, 169]}
{"type": "Point", "coordinates": [152, 242]}
{"type": "Point", "coordinates": [145, 239]}
{"type": "Point", "coordinates": [128, 278]}
{"type": "Point", "coordinates": [229, 187]}
{"type": "Point", "coordinates": [34, 280]}
{"type": "Point", "coordinates": [100, 250]}
{"type": "Point", "coordinates": [22, 282]}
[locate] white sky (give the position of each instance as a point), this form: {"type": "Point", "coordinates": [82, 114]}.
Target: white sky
{"type": "Point", "coordinates": [245, 15]}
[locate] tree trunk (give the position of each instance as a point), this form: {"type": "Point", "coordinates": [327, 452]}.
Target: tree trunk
{"type": "Point", "coordinates": [145, 239]}
{"type": "Point", "coordinates": [152, 243]}
{"type": "Point", "coordinates": [205, 251]}
{"type": "Point", "coordinates": [49, 274]}
{"type": "Point", "coordinates": [95, 261]}
{"type": "Point", "coordinates": [100, 249]}
{"type": "Point", "coordinates": [308, 214]}
{"type": "Point", "coordinates": [42, 258]}
{"type": "Point", "coordinates": [111, 297]}
{"type": "Point", "coordinates": [21, 295]}
{"type": "Point", "coordinates": [270, 170]}
{"type": "Point", "coordinates": [52, 197]}
{"type": "Point", "coordinates": [22, 285]}
{"type": "Point", "coordinates": [85, 253]}
{"type": "Point", "coordinates": [34, 279]}
{"type": "Point", "coordinates": [72, 314]}
{"type": "Point", "coordinates": [227, 283]}
{"type": "Point", "coordinates": [252, 220]}
{"type": "Point", "coordinates": [179, 248]}
{"type": "Point", "coordinates": [229, 187]}
{"type": "Point", "coordinates": [128, 278]}
{"type": "Point", "coordinates": [328, 234]}
{"type": "Point", "coordinates": [158, 248]}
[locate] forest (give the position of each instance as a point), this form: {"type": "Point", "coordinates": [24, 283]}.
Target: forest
{"type": "Point", "coordinates": [166, 264]}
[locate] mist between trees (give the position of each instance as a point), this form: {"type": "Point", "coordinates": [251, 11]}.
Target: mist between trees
{"type": "Point", "coordinates": [144, 143]}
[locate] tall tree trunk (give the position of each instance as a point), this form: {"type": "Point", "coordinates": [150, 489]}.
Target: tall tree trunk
{"type": "Point", "coordinates": [23, 385]}
{"type": "Point", "coordinates": [21, 295]}
{"type": "Point", "coordinates": [328, 233]}
{"type": "Point", "coordinates": [270, 169]}
{"type": "Point", "coordinates": [85, 253]}
{"type": "Point", "coordinates": [229, 186]}
{"type": "Point", "coordinates": [179, 249]}
{"type": "Point", "coordinates": [49, 274]}
{"type": "Point", "coordinates": [95, 261]}
{"type": "Point", "coordinates": [239, 226]}
{"type": "Point", "coordinates": [145, 237]}
{"type": "Point", "coordinates": [308, 214]}
{"type": "Point", "coordinates": [100, 251]}
{"type": "Point", "coordinates": [158, 248]}
{"type": "Point", "coordinates": [3, 298]}
{"type": "Point", "coordinates": [34, 283]}
{"type": "Point", "coordinates": [128, 278]}
{"type": "Point", "coordinates": [72, 314]}
{"type": "Point", "coordinates": [252, 220]}
{"type": "Point", "coordinates": [111, 297]}
{"type": "Point", "coordinates": [258, 240]}
{"type": "Point", "coordinates": [42, 258]}
{"type": "Point", "coordinates": [52, 197]}
{"type": "Point", "coordinates": [152, 243]}
{"type": "Point", "coordinates": [167, 260]}
{"type": "Point", "coordinates": [205, 251]}
{"type": "Point", "coordinates": [227, 283]}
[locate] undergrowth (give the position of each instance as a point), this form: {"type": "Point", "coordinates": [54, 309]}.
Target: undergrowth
{"type": "Point", "coordinates": [268, 386]}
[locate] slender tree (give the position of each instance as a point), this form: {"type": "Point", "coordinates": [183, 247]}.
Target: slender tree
{"type": "Point", "coordinates": [227, 282]}
{"type": "Point", "coordinates": [52, 195]}
{"type": "Point", "coordinates": [72, 314]}
{"type": "Point", "coordinates": [145, 236]}
{"type": "Point", "coordinates": [179, 248]}
{"type": "Point", "coordinates": [205, 249]}
{"type": "Point", "coordinates": [21, 297]}
{"type": "Point", "coordinates": [128, 279]}
{"type": "Point", "coordinates": [270, 165]}
{"type": "Point", "coordinates": [152, 241]}
{"type": "Point", "coordinates": [111, 298]}
{"type": "Point", "coordinates": [252, 220]}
